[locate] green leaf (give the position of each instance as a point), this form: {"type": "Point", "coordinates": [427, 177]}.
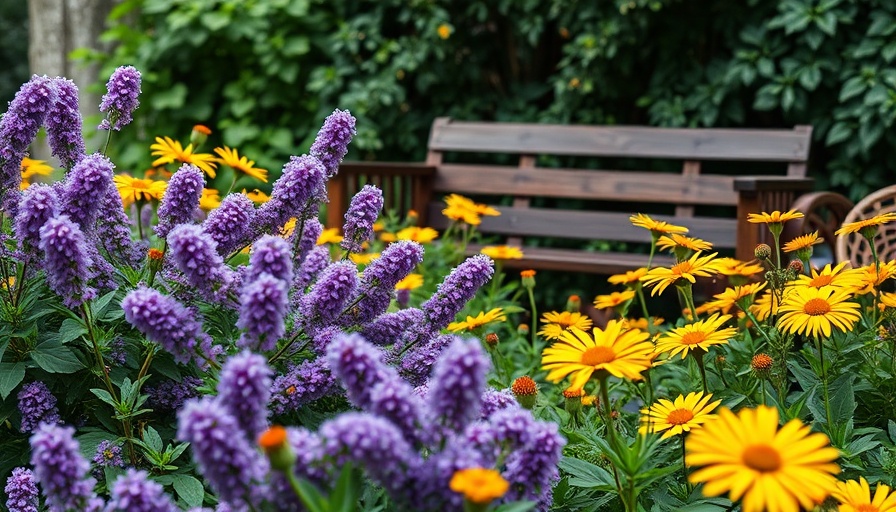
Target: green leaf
{"type": "Point", "coordinates": [585, 474]}
{"type": "Point", "coordinates": [153, 440]}
{"type": "Point", "coordinates": [853, 87]}
{"type": "Point", "coordinates": [104, 395]}
{"type": "Point", "coordinates": [313, 500]}
{"type": "Point", "coordinates": [518, 506]}
{"type": "Point", "coordinates": [215, 20]}
{"type": "Point", "coordinates": [70, 330]}
{"type": "Point", "coordinates": [3, 345]}
{"type": "Point", "coordinates": [843, 400]}
{"type": "Point", "coordinates": [171, 98]}
{"type": "Point", "coordinates": [344, 497]}
{"type": "Point", "coordinates": [99, 305]}
{"type": "Point", "coordinates": [838, 133]}
{"type": "Point", "coordinates": [11, 374]}
{"type": "Point", "coordinates": [189, 489]}
{"type": "Point", "coordinates": [56, 358]}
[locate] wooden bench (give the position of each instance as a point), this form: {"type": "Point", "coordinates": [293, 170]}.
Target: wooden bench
{"type": "Point", "coordinates": [711, 194]}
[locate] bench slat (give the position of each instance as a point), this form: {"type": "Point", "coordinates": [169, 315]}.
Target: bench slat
{"type": "Point", "coordinates": [634, 186]}
{"type": "Point", "coordinates": [572, 260]}
{"type": "Point", "coordinates": [621, 141]}
{"type": "Point", "coordinates": [589, 225]}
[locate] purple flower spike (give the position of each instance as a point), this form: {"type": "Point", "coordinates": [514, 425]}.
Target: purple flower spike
{"type": "Point", "coordinates": [67, 260]}
{"type": "Point", "coordinates": [271, 255]}
{"type": "Point", "coordinates": [85, 184]}
{"type": "Point", "coordinates": [262, 310]}
{"type": "Point", "coordinates": [39, 204]}
{"type": "Point", "coordinates": [457, 384]}
{"type": "Point", "coordinates": [234, 469]}
{"type": "Point", "coordinates": [394, 399]}
{"type": "Point", "coordinates": [107, 455]}
{"type": "Point", "coordinates": [134, 492]}
{"type": "Point", "coordinates": [301, 384]}
{"type": "Point", "coordinates": [387, 328]}
{"type": "Point", "coordinates": [229, 224]}
{"type": "Point", "coordinates": [380, 277]}
{"type": "Point", "coordinates": [362, 213]}
{"type": "Point", "coordinates": [244, 389]}
{"type": "Point", "coordinates": [416, 365]}
{"type": "Point", "coordinates": [170, 395]}
{"type": "Point", "coordinates": [310, 233]}
{"type": "Point", "coordinates": [165, 321]}
{"type": "Point", "coordinates": [181, 199]}
{"type": "Point", "coordinates": [64, 124]}
{"type": "Point", "coordinates": [303, 181]}
{"type": "Point", "coordinates": [61, 470]}
{"type": "Point", "coordinates": [494, 401]}
{"type": "Point", "coordinates": [329, 295]}
{"type": "Point", "coordinates": [333, 139]}
{"type": "Point", "coordinates": [21, 491]}
{"type": "Point", "coordinates": [532, 471]}
{"type": "Point", "coordinates": [314, 264]}
{"type": "Point", "coordinates": [37, 406]}
{"type": "Point", "coordinates": [195, 254]}
{"type": "Point", "coordinates": [113, 231]}
{"type": "Point", "coordinates": [120, 101]}
{"type": "Point", "coordinates": [458, 287]}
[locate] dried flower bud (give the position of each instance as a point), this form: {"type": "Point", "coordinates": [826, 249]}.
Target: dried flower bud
{"type": "Point", "coordinates": [762, 252]}
{"type": "Point", "coordinates": [491, 339]}
{"type": "Point", "coordinates": [573, 400]}
{"type": "Point", "coordinates": [795, 266]}
{"type": "Point", "coordinates": [522, 329]}
{"type": "Point", "coordinates": [761, 364]}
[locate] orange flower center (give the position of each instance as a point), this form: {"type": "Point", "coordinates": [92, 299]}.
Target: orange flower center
{"type": "Point", "coordinates": [820, 281]}
{"type": "Point", "coordinates": [682, 268]}
{"type": "Point", "coordinates": [524, 386]}
{"type": "Point", "coordinates": [762, 458]}
{"type": "Point", "coordinates": [866, 507]}
{"type": "Point", "coordinates": [693, 337]}
{"type": "Point", "coordinates": [761, 362]}
{"type": "Point", "coordinates": [817, 307]}
{"type": "Point", "coordinates": [680, 417]}
{"type": "Point", "coordinates": [598, 355]}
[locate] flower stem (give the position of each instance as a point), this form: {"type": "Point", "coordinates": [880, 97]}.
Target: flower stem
{"type": "Point", "coordinates": [611, 432]}
{"type": "Point", "coordinates": [534, 318]}
{"type": "Point", "coordinates": [684, 465]}
{"type": "Point", "coordinates": [698, 355]}
{"type": "Point", "coordinates": [824, 379]}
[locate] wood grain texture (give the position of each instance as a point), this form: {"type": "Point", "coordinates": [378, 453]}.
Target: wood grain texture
{"type": "Point", "coordinates": [572, 260]}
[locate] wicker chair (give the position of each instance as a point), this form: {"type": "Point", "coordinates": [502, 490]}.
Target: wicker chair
{"type": "Point", "coordinates": [853, 247]}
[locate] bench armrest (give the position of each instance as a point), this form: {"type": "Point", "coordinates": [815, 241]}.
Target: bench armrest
{"type": "Point", "coordinates": [772, 184]}
{"type": "Point", "coordinates": [405, 185]}
{"type": "Point", "coordinates": [386, 169]}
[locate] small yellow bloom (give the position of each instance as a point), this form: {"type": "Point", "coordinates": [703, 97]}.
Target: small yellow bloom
{"type": "Point", "coordinates": [444, 31]}
{"type": "Point", "coordinates": [839, 276]}
{"type": "Point", "coordinates": [474, 322]}
{"type": "Point", "coordinates": [257, 196]}
{"type": "Point", "coordinates": [641, 323]}
{"type": "Point", "coordinates": [614, 299]}
{"type": "Point", "coordinates": [463, 209]}
{"type": "Point", "coordinates": [168, 151]}
{"type": "Point", "coordinates": [698, 335]}
{"type": "Point", "coordinates": [411, 282]}
{"type": "Point", "coordinates": [32, 167]}
{"type": "Point", "coordinates": [872, 277]}
{"type": "Point", "coordinates": [415, 234]}
{"type": "Point", "coordinates": [671, 241]}
{"type": "Point", "coordinates": [877, 220]}
{"type": "Point", "coordinates": [762, 306]}
{"type": "Point", "coordinates": [210, 199]}
{"type": "Point", "coordinates": [629, 277]}
{"type": "Point", "coordinates": [363, 258]}
{"type": "Point", "coordinates": [679, 416]}
{"type": "Point", "coordinates": [814, 311]}
{"type": "Point", "coordinates": [556, 323]}
{"type": "Point", "coordinates": [697, 266]}
{"type": "Point", "coordinates": [803, 242]}
{"type": "Point", "coordinates": [657, 227]}
{"type": "Point", "coordinates": [502, 252]}
{"type": "Point", "coordinates": [479, 485]}
{"type": "Point", "coordinates": [736, 296]}
{"type": "Point", "coordinates": [735, 268]}
{"type": "Point", "coordinates": [232, 158]}
{"type": "Point", "coordinates": [855, 496]}
{"type": "Point", "coordinates": [775, 217]}
{"type": "Point", "coordinates": [134, 189]}
{"type": "Point", "coordinates": [329, 236]}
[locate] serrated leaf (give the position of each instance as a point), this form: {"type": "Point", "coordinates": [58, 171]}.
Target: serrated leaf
{"type": "Point", "coordinates": [189, 489]}
{"type": "Point", "coordinates": [153, 440]}
{"type": "Point", "coordinates": [11, 374]}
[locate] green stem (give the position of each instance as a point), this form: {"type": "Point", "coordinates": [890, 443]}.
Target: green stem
{"type": "Point", "coordinates": [757, 324]}
{"type": "Point", "coordinates": [698, 355]}
{"type": "Point", "coordinates": [144, 368]}
{"type": "Point", "coordinates": [287, 345]}
{"type": "Point", "coordinates": [819, 345]}
{"type": "Point", "coordinates": [85, 315]}
{"type": "Point", "coordinates": [611, 431]}
{"type": "Point", "coordinates": [684, 465]}
{"type": "Point", "coordinates": [534, 318]}
{"type": "Point", "coordinates": [762, 390]}
{"type": "Point", "coordinates": [640, 291]}
{"type": "Point", "coordinates": [876, 279]}
{"type": "Point", "coordinates": [108, 139]}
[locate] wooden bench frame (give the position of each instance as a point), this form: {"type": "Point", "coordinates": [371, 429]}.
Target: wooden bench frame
{"type": "Point", "coordinates": [422, 186]}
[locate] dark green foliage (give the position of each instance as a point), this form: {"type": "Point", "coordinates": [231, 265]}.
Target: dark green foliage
{"type": "Point", "coordinates": [13, 48]}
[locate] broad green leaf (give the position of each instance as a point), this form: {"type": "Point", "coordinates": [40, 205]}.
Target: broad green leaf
{"type": "Point", "coordinates": [11, 374]}
{"type": "Point", "coordinates": [56, 358]}
{"type": "Point", "coordinates": [585, 474]}
{"type": "Point", "coordinates": [70, 330]}
{"type": "Point", "coordinates": [188, 489]}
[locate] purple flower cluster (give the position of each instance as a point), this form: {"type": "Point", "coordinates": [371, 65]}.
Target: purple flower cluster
{"type": "Point", "coordinates": [458, 287]}
{"type": "Point", "coordinates": [244, 389]}
{"type": "Point", "coordinates": [229, 224]}
{"type": "Point", "coordinates": [165, 321]}
{"type": "Point", "coordinates": [37, 406]}
{"type": "Point", "coordinates": [67, 260]}
{"type": "Point", "coordinates": [388, 327]}
{"type": "Point", "coordinates": [89, 179]}
{"type": "Point", "coordinates": [113, 231]}
{"type": "Point", "coordinates": [380, 277]}
{"type": "Point", "coordinates": [316, 261]}
{"type": "Point", "coordinates": [195, 254]}
{"type": "Point", "coordinates": [107, 455]}
{"type": "Point", "coordinates": [61, 471]}
{"type": "Point", "coordinates": [262, 310]}
{"type": "Point", "coordinates": [532, 469]}
{"type": "Point", "coordinates": [64, 124]}
{"type": "Point", "coordinates": [416, 364]}
{"type": "Point", "coordinates": [120, 100]}
{"type": "Point", "coordinates": [301, 384]}
{"type": "Point", "coordinates": [331, 143]}
{"type": "Point", "coordinates": [117, 353]}
{"type": "Point", "coordinates": [271, 255]}
{"type": "Point", "coordinates": [302, 182]}
{"type": "Point", "coordinates": [358, 365]}
{"type": "Point", "coordinates": [329, 295]}
{"type": "Point", "coordinates": [494, 401]}
{"type": "Point", "coordinates": [311, 231]}
{"type": "Point", "coordinates": [458, 380]}
{"type": "Point", "coordinates": [39, 204]}
{"type": "Point", "coordinates": [170, 395]}
{"type": "Point", "coordinates": [359, 219]}
{"type": "Point", "coordinates": [134, 492]}
{"type": "Point", "coordinates": [21, 491]}
{"type": "Point", "coordinates": [230, 464]}
{"type": "Point", "coordinates": [181, 200]}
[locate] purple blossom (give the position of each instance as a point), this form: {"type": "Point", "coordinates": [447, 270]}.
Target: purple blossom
{"type": "Point", "coordinates": [181, 199]}
{"type": "Point", "coordinates": [375, 444]}
{"type": "Point", "coordinates": [233, 467]}
{"type": "Point", "coordinates": [134, 492]}
{"type": "Point", "coordinates": [229, 224]}
{"type": "Point", "coordinates": [271, 255]}
{"type": "Point", "coordinates": [494, 401]}
{"type": "Point", "coordinates": [117, 353]}
{"type": "Point", "coordinates": [121, 100]}
{"type": "Point", "coordinates": [67, 260]}
{"type": "Point", "coordinates": [394, 399]}
{"type": "Point", "coordinates": [312, 266]}
{"type": "Point", "coordinates": [113, 231]}
{"type": "Point", "coordinates": [458, 287]}
{"type": "Point", "coordinates": [39, 204]}
{"type": "Point", "coordinates": [329, 295]}
{"type": "Point", "coordinates": [532, 470]}
{"type": "Point", "coordinates": [301, 384]}
{"type": "Point", "coordinates": [244, 389]}
{"type": "Point", "coordinates": [358, 365]}
{"type": "Point", "coordinates": [362, 213]}
{"type": "Point", "coordinates": [302, 182]}
{"type": "Point", "coordinates": [380, 277]}
{"type": "Point", "coordinates": [21, 491]}
{"type": "Point", "coordinates": [331, 143]}
{"type": "Point", "coordinates": [165, 321]}
{"type": "Point", "coordinates": [311, 231]}
{"type": "Point", "coordinates": [18, 128]}
{"type": "Point", "coordinates": [458, 380]}
{"type": "Point", "coordinates": [37, 406]}
{"type": "Point", "coordinates": [170, 395]}
{"type": "Point", "coordinates": [88, 180]}
{"type": "Point", "coordinates": [417, 363]}
{"type": "Point", "coordinates": [431, 485]}
{"type": "Point", "coordinates": [61, 470]}
{"type": "Point", "coordinates": [107, 455]}
{"type": "Point", "coordinates": [64, 124]}
{"type": "Point", "coordinates": [195, 254]}
{"type": "Point", "coordinates": [262, 310]}
{"type": "Point", "coordinates": [101, 274]}
{"type": "Point", "coordinates": [323, 337]}
{"type": "Point", "coordinates": [387, 328]}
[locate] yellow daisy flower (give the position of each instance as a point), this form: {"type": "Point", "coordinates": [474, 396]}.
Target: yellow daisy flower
{"type": "Point", "coordinates": [31, 167]}
{"type": "Point", "coordinates": [803, 242]}
{"type": "Point", "coordinates": [474, 322]}
{"type": "Point", "coordinates": [364, 258]}
{"type": "Point", "coordinates": [614, 350]}
{"type": "Point", "coordinates": [134, 189]}
{"type": "Point", "coordinates": [614, 299]}
{"type": "Point", "coordinates": [479, 485]}
{"type": "Point", "coordinates": [329, 236]}
{"type": "Point", "coordinates": [873, 222]}
{"type": "Point", "coordinates": [257, 196]}
{"type": "Point", "coordinates": [775, 217]}
{"type": "Point", "coordinates": [641, 323]}
{"type": "Point", "coordinates": [771, 468]}
{"type": "Point", "coordinates": [232, 158]}
{"type": "Point", "coordinates": [555, 323]}
{"type": "Point", "coordinates": [502, 252]}
{"type": "Point", "coordinates": [679, 416]}
{"type": "Point", "coordinates": [855, 496]}
{"type": "Point", "coordinates": [210, 199]}
{"type": "Point", "coordinates": [698, 335]}
{"type": "Point", "coordinates": [168, 151]}
{"type": "Point", "coordinates": [735, 268]}
{"type": "Point", "coordinates": [839, 276]}
{"type": "Point", "coordinates": [813, 311]}
{"type": "Point", "coordinates": [410, 282]}
{"type": "Point", "coordinates": [656, 227]}
{"type": "Point", "coordinates": [463, 209]}
{"type": "Point", "coordinates": [444, 31]}
{"type": "Point", "coordinates": [415, 234]}
{"type": "Point", "coordinates": [762, 306]}
{"type": "Point", "coordinates": [735, 296]}
{"type": "Point", "coordinates": [696, 266]}
{"type": "Point", "coordinates": [670, 242]}
{"type": "Point", "coordinates": [872, 278]}
{"type": "Point", "coordinates": [629, 277]}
